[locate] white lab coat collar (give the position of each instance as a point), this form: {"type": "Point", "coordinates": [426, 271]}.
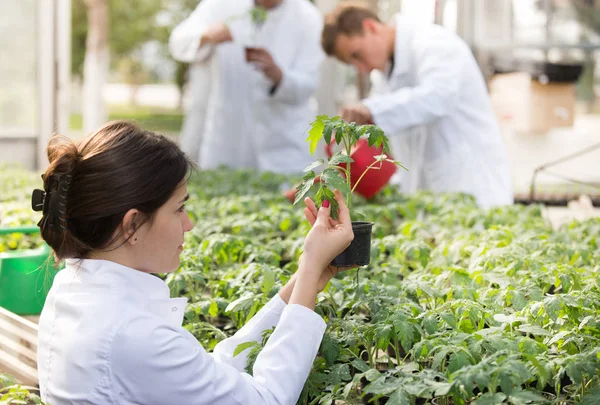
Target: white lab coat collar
{"type": "Point", "coordinates": [405, 29]}
{"type": "Point", "coordinates": [148, 290]}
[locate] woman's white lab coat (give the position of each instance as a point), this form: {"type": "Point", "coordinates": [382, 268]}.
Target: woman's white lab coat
{"type": "Point", "coordinates": [109, 334]}
{"type": "Point", "coordinates": [249, 125]}
{"type": "Point", "coordinates": [435, 108]}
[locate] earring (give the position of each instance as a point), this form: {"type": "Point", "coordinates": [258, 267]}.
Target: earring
{"type": "Point", "coordinates": [135, 239]}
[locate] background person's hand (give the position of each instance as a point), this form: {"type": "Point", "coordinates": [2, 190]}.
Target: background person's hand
{"type": "Point", "coordinates": [326, 225]}
{"type": "Point", "coordinates": [263, 60]}
{"type": "Point", "coordinates": [358, 113]}
{"type": "Point", "coordinates": [216, 34]}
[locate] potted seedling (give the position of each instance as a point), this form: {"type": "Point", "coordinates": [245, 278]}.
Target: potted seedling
{"type": "Point", "coordinates": [258, 15]}
{"type": "Point", "coordinates": [341, 171]}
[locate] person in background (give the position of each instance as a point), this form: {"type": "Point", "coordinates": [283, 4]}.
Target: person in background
{"type": "Point", "coordinates": [113, 206]}
{"type": "Point", "coordinates": [430, 97]}
{"type": "Point", "coordinates": [194, 123]}
{"type": "Point", "coordinates": [263, 77]}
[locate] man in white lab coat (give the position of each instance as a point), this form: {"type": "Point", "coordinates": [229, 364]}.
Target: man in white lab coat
{"type": "Point", "coordinates": [431, 99]}
{"type": "Point", "coordinates": [263, 77]}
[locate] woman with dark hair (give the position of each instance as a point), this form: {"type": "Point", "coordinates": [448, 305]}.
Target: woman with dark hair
{"type": "Point", "coordinates": [113, 207]}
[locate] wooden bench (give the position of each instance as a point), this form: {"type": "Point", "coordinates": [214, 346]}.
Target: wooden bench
{"type": "Point", "coordinates": [18, 347]}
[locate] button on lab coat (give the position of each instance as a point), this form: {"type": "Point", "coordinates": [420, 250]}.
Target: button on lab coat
{"type": "Point", "coordinates": [109, 334]}
{"type": "Point", "coordinates": [434, 106]}
{"type": "Point", "coordinates": [249, 125]}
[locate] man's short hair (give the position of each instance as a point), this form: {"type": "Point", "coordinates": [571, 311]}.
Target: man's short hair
{"type": "Point", "coordinates": [347, 19]}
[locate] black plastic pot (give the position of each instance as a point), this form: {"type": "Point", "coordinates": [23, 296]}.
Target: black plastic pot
{"type": "Point", "coordinates": [556, 72]}
{"type": "Point", "coordinates": [359, 251]}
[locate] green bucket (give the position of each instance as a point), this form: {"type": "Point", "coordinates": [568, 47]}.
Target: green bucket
{"type": "Point", "coordinates": [25, 276]}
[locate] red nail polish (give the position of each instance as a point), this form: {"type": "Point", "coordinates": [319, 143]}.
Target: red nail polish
{"type": "Point", "coordinates": [326, 204]}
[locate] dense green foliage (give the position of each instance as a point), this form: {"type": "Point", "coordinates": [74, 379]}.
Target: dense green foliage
{"type": "Point", "coordinates": [460, 305]}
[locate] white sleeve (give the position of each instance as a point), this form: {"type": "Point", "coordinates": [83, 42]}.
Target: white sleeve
{"type": "Point", "coordinates": [301, 80]}
{"type": "Point", "coordinates": [155, 364]}
{"type": "Point", "coordinates": [438, 64]}
{"type": "Point", "coordinates": [184, 42]}
{"type": "Point", "coordinates": [266, 318]}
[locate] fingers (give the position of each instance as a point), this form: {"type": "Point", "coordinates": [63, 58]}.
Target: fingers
{"type": "Point", "coordinates": [310, 204]}
{"type": "Point", "coordinates": [258, 55]}
{"type": "Point", "coordinates": [344, 213]}
{"type": "Point", "coordinates": [310, 216]}
{"type": "Point", "coordinates": [323, 215]}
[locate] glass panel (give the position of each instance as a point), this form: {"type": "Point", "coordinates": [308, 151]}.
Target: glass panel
{"type": "Point", "coordinates": [18, 67]}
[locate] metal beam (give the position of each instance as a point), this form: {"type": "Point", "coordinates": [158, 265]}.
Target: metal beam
{"type": "Point", "coordinates": [47, 77]}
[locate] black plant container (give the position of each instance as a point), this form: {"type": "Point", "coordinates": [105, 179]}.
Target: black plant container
{"type": "Point", "coordinates": [359, 251]}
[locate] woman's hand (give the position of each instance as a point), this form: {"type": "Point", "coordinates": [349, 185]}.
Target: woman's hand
{"type": "Point", "coordinates": [324, 242]}
{"type": "Point", "coordinates": [341, 228]}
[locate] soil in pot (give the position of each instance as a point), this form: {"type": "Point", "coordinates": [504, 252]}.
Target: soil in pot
{"type": "Point", "coordinates": [359, 251]}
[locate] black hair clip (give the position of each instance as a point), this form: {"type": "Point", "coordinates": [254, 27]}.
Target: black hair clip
{"type": "Point", "coordinates": [38, 200]}
{"type": "Point", "coordinates": [53, 202]}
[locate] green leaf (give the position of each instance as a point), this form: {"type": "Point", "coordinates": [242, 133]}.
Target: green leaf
{"type": "Point", "coordinates": [341, 130]}
{"type": "Point", "coordinates": [506, 384]}
{"type": "Point", "coordinates": [214, 309]}
{"type": "Point", "coordinates": [334, 180]}
{"type": "Point", "coordinates": [490, 399]}
{"type": "Point", "coordinates": [381, 387]}
{"type": "Point", "coordinates": [285, 224]}
{"type": "Point", "coordinates": [330, 350]}
{"type": "Point", "coordinates": [552, 306]}
{"type": "Point", "coordinates": [543, 375]}
{"type": "Point", "coordinates": [372, 374]}
{"type": "Point", "coordinates": [315, 133]}
{"type": "Point", "coordinates": [449, 319]}
{"type": "Point", "coordinates": [430, 324]}
{"type": "Point", "coordinates": [259, 15]}
{"type": "Point", "coordinates": [340, 157]}
{"type": "Point", "coordinates": [360, 365]}
{"type": "Point", "coordinates": [525, 398]}
{"type": "Point", "coordinates": [441, 388]}
{"type": "Point", "coordinates": [439, 360]}
{"type": "Point", "coordinates": [399, 164]}
{"type": "Point", "coordinates": [326, 194]}
{"type": "Point", "coordinates": [592, 397]}
{"type": "Point", "coordinates": [557, 337]}
{"type": "Point", "coordinates": [534, 330]}
{"type": "Point", "coordinates": [314, 165]}
{"type": "Point", "coordinates": [458, 360]}
{"type": "Point", "coordinates": [268, 280]}
{"type": "Point", "coordinates": [399, 397]}
{"type": "Point", "coordinates": [575, 373]}
{"type": "Point", "coordinates": [244, 346]}
{"type": "Point", "coordinates": [519, 301]}
{"type": "Point", "coordinates": [406, 334]}
{"type": "Point", "coordinates": [359, 213]}
{"type": "Point", "coordinates": [339, 373]}
{"type": "Point", "coordinates": [241, 304]}
{"type": "Point", "coordinates": [328, 132]}
{"type": "Point", "coordinates": [305, 186]}
{"type": "Point", "coordinates": [348, 389]}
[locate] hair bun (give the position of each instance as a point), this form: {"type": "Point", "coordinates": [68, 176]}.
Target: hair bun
{"type": "Point", "coordinates": [63, 156]}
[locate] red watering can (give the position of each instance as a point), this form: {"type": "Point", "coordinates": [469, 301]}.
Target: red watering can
{"type": "Point", "coordinates": [363, 155]}
{"type": "Point", "coordinates": [376, 177]}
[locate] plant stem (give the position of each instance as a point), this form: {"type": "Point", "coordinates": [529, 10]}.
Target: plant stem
{"type": "Point", "coordinates": [365, 172]}
{"type": "Point", "coordinates": [347, 171]}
